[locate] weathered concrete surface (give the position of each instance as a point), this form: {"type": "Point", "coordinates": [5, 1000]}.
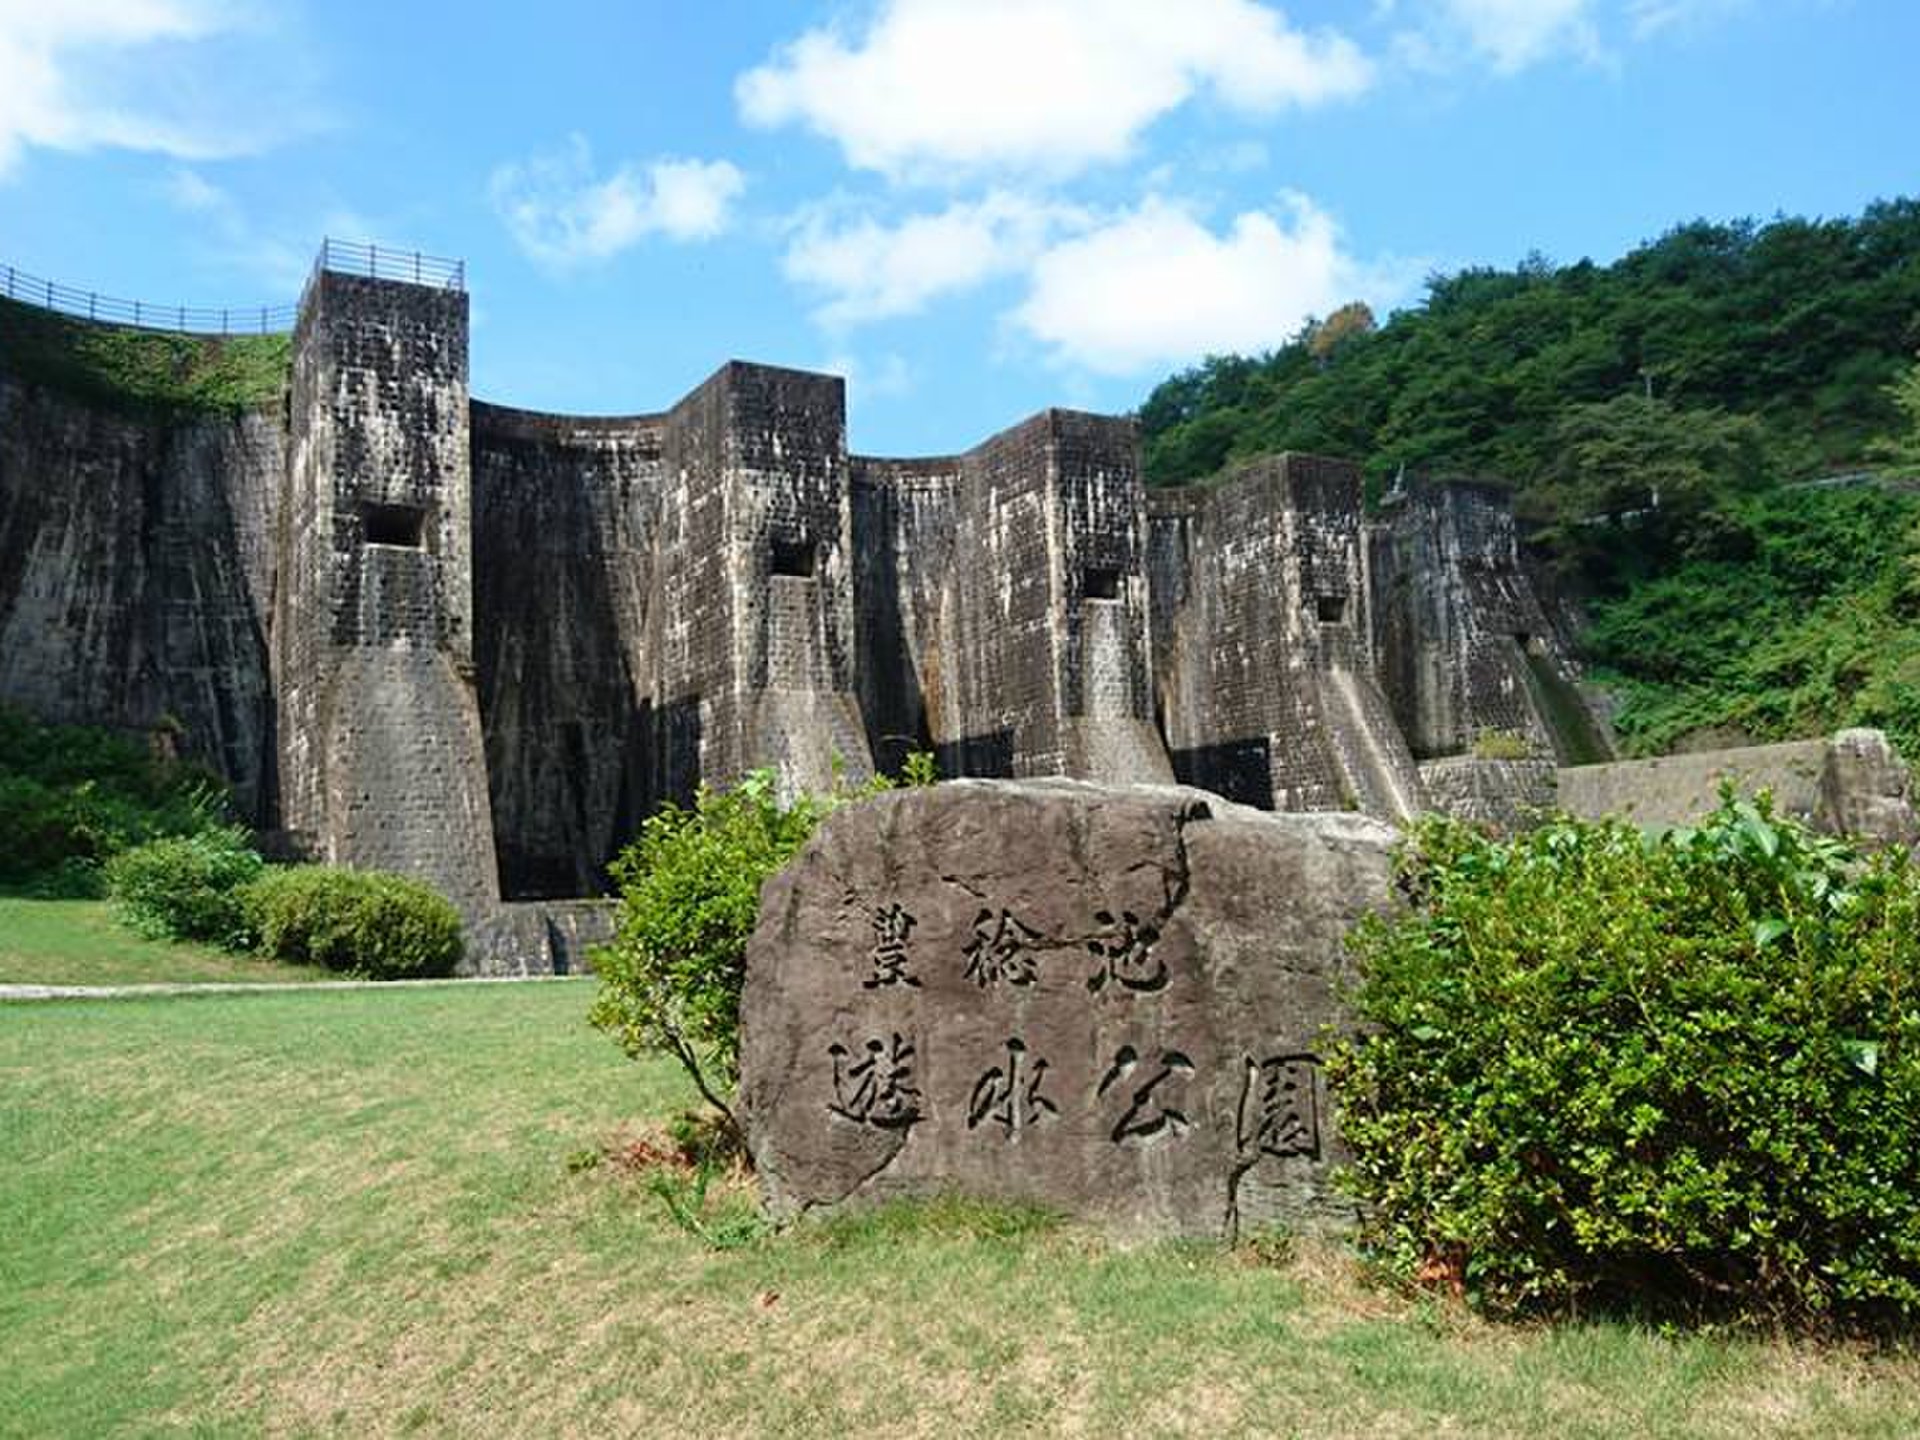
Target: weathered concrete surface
{"type": "Point", "coordinates": [546, 937]}
{"type": "Point", "coordinates": [1865, 790]}
{"type": "Point", "coordinates": [1505, 796]}
{"type": "Point", "coordinates": [480, 645]}
{"type": "Point", "coordinates": [1108, 1000]}
{"type": "Point", "coordinates": [1851, 784]}
{"type": "Point", "coordinates": [1265, 676]}
{"type": "Point", "coordinates": [564, 513]}
{"type": "Point", "coordinates": [135, 575]}
{"type": "Point", "coordinates": [381, 754]}
{"type": "Point", "coordinates": [1676, 789]}
{"type": "Point", "coordinates": [1002, 601]}
{"type": "Point", "coordinates": [1464, 643]}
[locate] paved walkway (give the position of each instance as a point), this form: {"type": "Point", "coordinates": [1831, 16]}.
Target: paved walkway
{"type": "Point", "coordinates": [142, 992]}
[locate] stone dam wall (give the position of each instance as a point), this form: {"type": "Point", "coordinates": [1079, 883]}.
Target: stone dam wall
{"type": "Point", "coordinates": [136, 576]}
{"type": "Point", "coordinates": [479, 644]}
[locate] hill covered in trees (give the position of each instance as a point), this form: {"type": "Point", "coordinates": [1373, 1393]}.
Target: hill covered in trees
{"type": "Point", "coordinates": [1688, 391]}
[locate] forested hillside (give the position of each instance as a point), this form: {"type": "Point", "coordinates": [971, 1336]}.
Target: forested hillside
{"type": "Point", "coordinates": [1688, 390]}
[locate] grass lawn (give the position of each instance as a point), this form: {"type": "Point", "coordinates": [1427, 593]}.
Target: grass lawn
{"type": "Point", "coordinates": [78, 942]}
{"type": "Point", "coordinates": [354, 1213]}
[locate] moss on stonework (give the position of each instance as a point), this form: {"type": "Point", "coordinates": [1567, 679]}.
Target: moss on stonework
{"type": "Point", "coordinates": [141, 372]}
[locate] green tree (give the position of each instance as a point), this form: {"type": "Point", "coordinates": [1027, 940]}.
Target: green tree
{"type": "Point", "coordinates": [1900, 448]}
{"type": "Point", "coordinates": [1669, 1070]}
{"type": "Point", "coordinates": [689, 896]}
{"type": "Point", "coordinates": [689, 887]}
{"type": "Point", "coordinates": [1638, 453]}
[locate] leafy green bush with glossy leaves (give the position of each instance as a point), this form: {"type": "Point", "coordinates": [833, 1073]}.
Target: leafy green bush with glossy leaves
{"type": "Point", "coordinates": [188, 887]}
{"type": "Point", "coordinates": [1676, 1070]}
{"type": "Point", "coordinates": [364, 922]}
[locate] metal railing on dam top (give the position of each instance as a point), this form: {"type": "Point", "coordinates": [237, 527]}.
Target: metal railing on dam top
{"type": "Point", "coordinates": [18, 285]}
{"type": "Point", "coordinates": [346, 258]}
{"type": "Point", "coordinates": [339, 256]}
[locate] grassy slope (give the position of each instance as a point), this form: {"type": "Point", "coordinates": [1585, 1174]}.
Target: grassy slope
{"type": "Point", "coordinates": [351, 1213]}
{"type": "Point", "coordinates": [78, 942]}
{"type": "Point", "coordinates": [142, 371]}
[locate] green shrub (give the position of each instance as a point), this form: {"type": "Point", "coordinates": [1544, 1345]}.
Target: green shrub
{"type": "Point", "coordinates": [365, 922]}
{"type": "Point", "coordinates": [1502, 745]}
{"type": "Point", "coordinates": [73, 796]}
{"type": "Point", "coordinates": [1669, 1070]}
{"type": "Point", "coordinates": [689, 895]}
{"type": "Point", "coordinates": [187, 887]}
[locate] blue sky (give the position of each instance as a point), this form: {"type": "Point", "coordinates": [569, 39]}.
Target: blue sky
{"type": "Point", "coordinates": [973, 208]}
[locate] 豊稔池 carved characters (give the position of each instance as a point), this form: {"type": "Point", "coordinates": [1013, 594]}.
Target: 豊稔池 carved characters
{"type": "Point", "coordinates": [1001, 951]}
{"type": "Point", "coordinates": [891, 927]}
{"type": "Point", "coordinates": [1125, 951]}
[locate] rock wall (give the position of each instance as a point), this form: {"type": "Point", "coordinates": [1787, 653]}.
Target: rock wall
{"type": "Point", "coordinates": [1025, 628]}
{"type": "Point", "coordinates": [541, 937]}
{"type": "Point", "coordinates": [755, 663]}
{"type": "Point", "coordinates": [136, 575]}
{"type": "Point", "coordinates": [1505, 796]}
{"type": "Point", "coordinates": [479, 644]}
{"type": "Point", "coordinates": [1266, 682]}
{"type": "Point", "coordinates": [906, 541]}
{"type": "Point", "coordinates": [382, 761]}
{"type": "Point", "coordinates": [565, 520]}
{"type": "Point", "coordinates": [1463, 645]}
{"type": "Point", "coordinates": [788, 696]}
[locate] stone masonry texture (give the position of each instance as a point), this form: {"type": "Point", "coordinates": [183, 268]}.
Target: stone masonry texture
{"type": "Point", "coordinates": [479, 645]}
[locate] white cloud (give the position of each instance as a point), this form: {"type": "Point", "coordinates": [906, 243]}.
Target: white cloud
{"type": "Point", "coordinates": [1513, 34]}
{"type": "Point", "coordinates": [933, 87]}
{"type": "Point", "coordinates": [127, 74]}
{"type": "Point", "coordinates": [1654, 17]}
{"type": "Point", "coordinates": [1155, 287]}
{"type": "Point", "coordinates": [869, 271]}
{"type": "Point", "coordinates": [561, 213]}
{"type": "Point", "coordinates": [192, 192]}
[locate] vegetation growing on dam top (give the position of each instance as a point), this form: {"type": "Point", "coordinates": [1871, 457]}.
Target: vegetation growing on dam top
{"type": "Point", "coordinates": [141, 372]}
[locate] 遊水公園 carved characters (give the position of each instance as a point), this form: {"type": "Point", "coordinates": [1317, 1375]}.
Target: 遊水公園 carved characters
{"type": "Point", "coordinates": [1009, 1095]}
{"type": "Point", "coordinates": [1125, 952]}
{"type": "Point", "coordinates": [891, 927]}
{"type": "Point", "coordinates": [1147, 1117]}
{"type": "Point", "coordinates": [1279, 1109]}
{"type": "Point", "coordinates": [1001, 950]}
{"type": "Point", "coordinates": [875, 1087]}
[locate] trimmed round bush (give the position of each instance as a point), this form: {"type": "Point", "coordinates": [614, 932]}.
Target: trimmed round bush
{"type": "Point", "coordinates": [365, 922]}
{"type": "Point", "coordinates": [1675, 1071]}
{"type": "Point", "coordinates": [187, 887]}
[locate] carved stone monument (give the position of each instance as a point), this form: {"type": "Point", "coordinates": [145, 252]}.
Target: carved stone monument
{"type": "Point", "coordinates": [1109, 1000]}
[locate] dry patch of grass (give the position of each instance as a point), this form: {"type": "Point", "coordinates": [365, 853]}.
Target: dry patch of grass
{"type": "Point", "coordinates": [368, 1214]}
